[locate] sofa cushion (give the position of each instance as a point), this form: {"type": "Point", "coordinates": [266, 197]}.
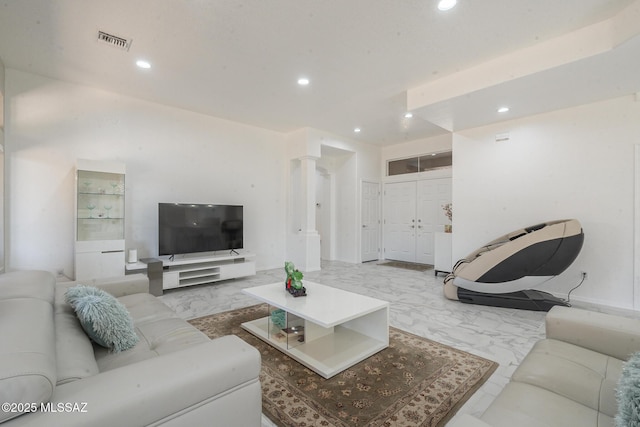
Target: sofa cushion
{"type": "Point", "coordinates": [604, 333]}
{"type": "Point", "coordinates": [146, 308]}
{"type": "Point", "coordinates": [74, 351]}
{"type": "Point", "coordinates": [576, 373]}
{"type": "Point", "coordinates": [160, 330]}
{"type": "Point", "coordinates": [628, 393]}
{"type": "Point", "coordinates": [28, 351]}
{"type": "Point", "coordinates": [103, 317]}
{"type": "Point", "coordinates": [525, 405]}
{"type": "Point", "coordinates": [27, 284]}
{"type": "Point", "coordinates": [75, 358]}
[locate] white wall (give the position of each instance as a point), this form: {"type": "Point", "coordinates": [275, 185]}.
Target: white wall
{"type": "Point", "coordinates": [325, 213]}
{"type": "Point", "coordinates": [573, 163]}
{"type": "Point", "coordinates": [172, 155]}
{"type": "Point", "coordinates": [352, 162]}
{"type": "Point", "coordinates": [2, 72]}
{"type": "Point", "coordinates": [2, 225]}
{"type": "Point", "coordinates": [347, 215]}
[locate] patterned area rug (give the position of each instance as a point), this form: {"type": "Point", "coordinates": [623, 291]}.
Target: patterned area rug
{"type": "Point", "coordinates": [414, 382]}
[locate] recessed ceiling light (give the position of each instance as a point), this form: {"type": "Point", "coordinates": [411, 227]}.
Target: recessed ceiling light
{"type": "Point", "coordinates": [357, 130]}
{"type": "Point", "coordinates": [503, 109]}
{"type": "Point", "coordinates": [446, 4]}
{"type": "Point", "coordinates": [433, 154]}
{"type": "Point", "coordinates": [408, 115]}
{"type": "Point", "coordinates": [303, 81]}
{"type": "Point", "coordinates": [143, 64]}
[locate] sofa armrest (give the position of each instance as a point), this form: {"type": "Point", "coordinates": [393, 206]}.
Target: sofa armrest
{"type": "Point", "coordinates": [117, 286]}
{"type": "Point", "coordinates": [466, 420]}
{"type": "Point", "coordinates": [157, 389]}
{"type": "Point", "coordinates": [615, 336]}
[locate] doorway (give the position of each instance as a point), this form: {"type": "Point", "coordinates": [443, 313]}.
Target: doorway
{"type": "Point", "coordinates": [370, 237]}
{"type": "Point", "coordinates": [412, 216]}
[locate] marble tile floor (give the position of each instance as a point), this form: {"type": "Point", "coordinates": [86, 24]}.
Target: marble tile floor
{"type": "Point", "coordinates": [417, 306]}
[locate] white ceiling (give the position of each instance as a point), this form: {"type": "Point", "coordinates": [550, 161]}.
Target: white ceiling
{"type": "Point", "coordinates": [240, 60]}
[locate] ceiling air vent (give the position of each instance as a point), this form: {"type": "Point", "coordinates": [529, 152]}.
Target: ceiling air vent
{"type": "Point", "coordinates": [115, 41]}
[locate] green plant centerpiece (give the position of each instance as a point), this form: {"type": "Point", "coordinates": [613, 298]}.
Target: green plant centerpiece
{"type": "Point", "coordinates": [293, 283]}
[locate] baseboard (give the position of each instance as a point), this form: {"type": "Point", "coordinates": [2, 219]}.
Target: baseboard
{"type": "Point", "coordinates": [597, 305]}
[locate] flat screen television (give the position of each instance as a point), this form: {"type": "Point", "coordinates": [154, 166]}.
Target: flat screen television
{"type": "Point", "coordinates": [185, 228]}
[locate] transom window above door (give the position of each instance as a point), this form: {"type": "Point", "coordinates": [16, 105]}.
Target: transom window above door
{"type": "Point", "coordinates": [420, 164]}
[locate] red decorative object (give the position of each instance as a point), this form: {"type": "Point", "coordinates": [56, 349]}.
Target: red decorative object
{"type": "Point", "coordinates": [302, 292]}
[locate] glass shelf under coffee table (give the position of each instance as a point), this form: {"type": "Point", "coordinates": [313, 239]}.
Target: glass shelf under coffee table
{"type": "Point", "coordinates": [328, 331]}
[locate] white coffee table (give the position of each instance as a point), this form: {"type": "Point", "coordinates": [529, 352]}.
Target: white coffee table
{"type": "Point", "coordinates": [341, 328]}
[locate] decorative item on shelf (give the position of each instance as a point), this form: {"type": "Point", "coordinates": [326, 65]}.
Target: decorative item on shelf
{"type": "Point", "coordinates": [91, 207]}
{"type": "Point", "coordinates": [293, 283]}
{"type": "Point", "coordinates": [293, 334]}
{"type": "Point", "coordinates": [279, 318]}
{"type": "Point", "coordinates": [133, 256]}
{"type": "Point", "coordinates": [448, 211]}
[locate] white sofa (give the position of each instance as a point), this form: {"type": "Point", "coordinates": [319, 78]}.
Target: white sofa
{"type": "Point", "coordinates": [567, 379]}
{"type": "Point", "coordinates": [174, 376]}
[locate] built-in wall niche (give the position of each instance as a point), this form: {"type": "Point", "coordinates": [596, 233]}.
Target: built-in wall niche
{"type": "Point", "coordinates": [422, 163]}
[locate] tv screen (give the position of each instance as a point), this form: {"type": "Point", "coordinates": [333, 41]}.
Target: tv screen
{"type": "Point", "coordinates": [189, 228]}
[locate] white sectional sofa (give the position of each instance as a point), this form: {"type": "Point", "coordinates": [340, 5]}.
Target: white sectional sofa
{"type": "Point", "coordinates": [174, 376]}
{"type": "Point", "coordinates": [567, 379]}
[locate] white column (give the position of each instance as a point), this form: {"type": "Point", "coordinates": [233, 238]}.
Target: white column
{"type": "Point", "coordinates": [303, 240]}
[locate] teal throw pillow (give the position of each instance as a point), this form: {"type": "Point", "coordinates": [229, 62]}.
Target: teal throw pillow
{"type": "Point", "coordinates": [628, 394]}
{"type": "Point", "coordinates": [105, 320]}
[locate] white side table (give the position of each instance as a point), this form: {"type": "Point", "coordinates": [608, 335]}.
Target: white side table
{"type": "Point", "coordinates": [442, 261]}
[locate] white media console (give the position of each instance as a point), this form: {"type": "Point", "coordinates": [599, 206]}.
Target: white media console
{"type": "Point", "coordinates": [197, 270]}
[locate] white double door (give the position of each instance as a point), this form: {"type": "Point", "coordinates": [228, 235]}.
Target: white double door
{"type": "Point", "coordinates": [412, 214]}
